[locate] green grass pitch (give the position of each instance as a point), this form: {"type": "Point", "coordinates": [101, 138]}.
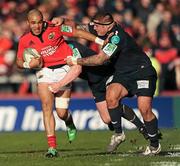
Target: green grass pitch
{"type": "Point", "coordinates": [89, 149]}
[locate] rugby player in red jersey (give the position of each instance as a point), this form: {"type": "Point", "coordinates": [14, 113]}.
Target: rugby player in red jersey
{"type": "Point", "coordinates": [48, 40]}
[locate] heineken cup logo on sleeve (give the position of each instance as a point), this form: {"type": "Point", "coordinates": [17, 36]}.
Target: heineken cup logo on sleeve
{"type": "Point", "coordinates": [76, 53]}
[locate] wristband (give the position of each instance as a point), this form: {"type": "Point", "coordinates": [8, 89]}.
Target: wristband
{"type": "Point", "coordinates": [99, 41]}
{"type": "Point", "coordinates": [26, 65]}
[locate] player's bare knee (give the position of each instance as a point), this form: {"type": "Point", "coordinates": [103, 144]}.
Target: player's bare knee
{"type": "Point", "coordinates": [146, 113]}
{"type": "Point", "coordinates": [62, 113]}
{"type": "Point", "coordinates": [112, 102]}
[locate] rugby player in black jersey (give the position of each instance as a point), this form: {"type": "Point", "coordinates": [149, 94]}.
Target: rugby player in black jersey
{"type": "Point", "coordinates": [97, 77]}
{"type": "Point", "coordinates": [133, 75]}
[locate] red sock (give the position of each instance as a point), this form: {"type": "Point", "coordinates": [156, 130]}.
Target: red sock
{"type": "Point", "coordinates": [52, 141]}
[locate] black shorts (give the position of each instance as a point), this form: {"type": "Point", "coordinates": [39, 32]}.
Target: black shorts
{"type": "Point", "coordinates": [99, 90]}
{"type": "Point", "coordinates": [140, 83]}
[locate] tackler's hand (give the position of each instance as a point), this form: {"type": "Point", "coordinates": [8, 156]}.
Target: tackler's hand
{"type": "Point", "coordinates": [57, 21]}
{"type": "Point", "coordinates": [54, 87]}
{"type": "Point", "coordinates": [70, 60]}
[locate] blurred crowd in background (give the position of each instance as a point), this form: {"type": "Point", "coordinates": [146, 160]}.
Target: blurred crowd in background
{"type": "Point", "coordinates": [155, 24]}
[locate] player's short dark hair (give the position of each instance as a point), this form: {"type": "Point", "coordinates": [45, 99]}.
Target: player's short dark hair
{"type": "Point", "coordinates": [103, 18]}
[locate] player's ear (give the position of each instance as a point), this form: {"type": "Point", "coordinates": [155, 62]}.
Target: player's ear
{"type": "Point", "coordinates": [110, 27]}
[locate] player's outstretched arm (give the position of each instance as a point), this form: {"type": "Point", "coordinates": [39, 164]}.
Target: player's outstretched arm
{"type": "Point", "coordinates": [73, 73]}
{"type": "Point", "coordinates": [58, 21]}
{"type": "Point", "coordinates": [77, 31]}
{"type": "Point", "coordinates": [88, 36]}
{"type": "Point", "coordinates": [94, 60]}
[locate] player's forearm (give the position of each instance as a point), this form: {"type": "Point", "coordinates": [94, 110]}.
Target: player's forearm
{"type": "Point", "coordinates": [94, 60]}
{"type": "Point", "coordinates": [62, 20]}
{"type": "Point", "coordinates": [83, 27]}
{"type": "Point", "coordinates": [71, 75]}
{"type": "Point", "coordinates": [88, 36]}
{"type": "Point", "coordinates": [19, 63]}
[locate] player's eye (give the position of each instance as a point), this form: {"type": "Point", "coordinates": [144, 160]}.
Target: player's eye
{"type": "Point", "coordinates": [36, 22]}
{"type": "Point", "coordinates": [40, 22]}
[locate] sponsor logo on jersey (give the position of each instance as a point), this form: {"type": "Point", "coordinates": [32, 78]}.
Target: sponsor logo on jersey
{"type": "Point", "coordinates": [48, 51]}
{"type": "Point", "coordinates": [143, 84]}
{"type": "Point", "coordinates": [51, 35]}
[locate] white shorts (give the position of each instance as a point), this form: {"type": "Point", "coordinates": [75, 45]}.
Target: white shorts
{"type": "Point", "coordinates": [47, 75]}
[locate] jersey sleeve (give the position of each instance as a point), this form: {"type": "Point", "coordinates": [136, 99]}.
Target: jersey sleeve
{"type": "Point", "coordinates": [20, 49]}
{"type": "Point", "coordinates": [67, 30]}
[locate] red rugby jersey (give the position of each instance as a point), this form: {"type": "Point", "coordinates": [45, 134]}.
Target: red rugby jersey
{"type": "Point", "coordinates": [50, 45]}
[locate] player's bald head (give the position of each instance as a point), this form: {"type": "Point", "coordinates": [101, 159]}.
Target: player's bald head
{"type": "Point", "coordinates": [34, 13]}
{"type": "Point", "coordinates": [35, 21]}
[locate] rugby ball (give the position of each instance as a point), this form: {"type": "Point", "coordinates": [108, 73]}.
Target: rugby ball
{"type": "Point", "coordinates": [29, 53]}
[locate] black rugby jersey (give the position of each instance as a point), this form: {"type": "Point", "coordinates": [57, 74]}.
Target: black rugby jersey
{"type": "Point", "coordinates": [93, 74]}
{"type": "Point", "coordinates": [125, 54]}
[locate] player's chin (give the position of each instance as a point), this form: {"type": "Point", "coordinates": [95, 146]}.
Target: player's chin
{"type": "Point", "coordinates": [36, 32]}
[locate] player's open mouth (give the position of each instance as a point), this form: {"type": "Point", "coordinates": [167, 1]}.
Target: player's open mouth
{"type": "Point", "coordinates": [37, 31]}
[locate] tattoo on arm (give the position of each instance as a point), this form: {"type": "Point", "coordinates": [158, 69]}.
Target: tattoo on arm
{"type": "Point", "coordinates": [94, 60]}
{"type": "Point", "coordinates": [83, 27]}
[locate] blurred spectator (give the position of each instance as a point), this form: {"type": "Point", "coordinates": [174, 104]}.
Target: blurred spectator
{"type": "Point", "coordinates": [165, 54]}
{"type": "Point", "coordinates": [157, 67]}
{"type": "Point", "coordinates": [72, 10]}
{"type": "Point", "coordinates": [118, 6]}
{"type": "Point", "coordinates": [101, 4]}
{"type": "Point", "coordinates": [118, 18]}
{"type": "Point", "coordinates": [55, 8]}
{"type": "Point", "coordinates": [85, 20]}
{"type": "Point", "coordinates": [128, 21]}
{"type": "Point", "coordinates": [135, 26]}
{"type": "Point", "coordinates": [155, 17]}
{"type": "Point", "coordinates": [91, 11]}
{"type": "Point", "coordinates": [6, 55]}
{"type": "Point", "coordinates": [176, 65]}
{"type": "Point", "coordinates": [165, 26]}
{"type": "Point", "coordinates": [143, 8]}
{"type": "Point", "coordinates": [153, 41]}
{"type": "Point", "coordinates": [21, 10]}
{"type": "Point", "coordinates": [44, 8]}
{"type": "Point", "coordinates": [8, 9]}
{"type": "Point", "coordinates": [174, 7]}
{"type": "Point", "coordinates": [140, 33]}
{"type": "Point", "coordinates": [176, 32]}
